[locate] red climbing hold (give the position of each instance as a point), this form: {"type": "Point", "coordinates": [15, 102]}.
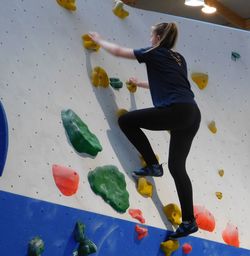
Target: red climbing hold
{"type": "Point", "coordinates": [141, 231]}
{"type": "Point", "coordinates": [66, 179]}
{"type": "Point", "coordinates": [137, 214]}
{"type": "Point", "coordinates": [186, 248]}
{"type": "Point", "coordinates": [230, 235]}
{"type": "Point", "coordinates": [205, 219]}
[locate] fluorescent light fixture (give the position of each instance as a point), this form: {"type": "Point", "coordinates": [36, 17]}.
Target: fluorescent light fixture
{"type": "Point", "coordinates": [194, 2]}
{"type": "Point", "coordinates": [208, 9]}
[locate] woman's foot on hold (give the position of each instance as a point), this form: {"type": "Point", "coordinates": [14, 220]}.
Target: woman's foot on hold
{"type": "Point", "coordinates": [185, 229]}
{"type": "Point", "coordinates": [155, 170]}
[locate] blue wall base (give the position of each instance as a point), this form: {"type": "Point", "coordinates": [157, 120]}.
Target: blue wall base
{"type": "Point", "coordinates": [22, 218]}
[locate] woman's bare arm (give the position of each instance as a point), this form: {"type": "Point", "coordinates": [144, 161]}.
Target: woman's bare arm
{"type": "Point", "coordinates": [112, 48]}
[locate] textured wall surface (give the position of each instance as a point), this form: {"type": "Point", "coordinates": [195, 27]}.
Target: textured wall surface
{"type": "Point", "coordinates": [45, 69]}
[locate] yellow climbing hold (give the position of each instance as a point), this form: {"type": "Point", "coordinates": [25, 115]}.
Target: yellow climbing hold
{"type": "Point", "coordinates": [173, 213]}
{"type": "Point", "coordinates": [67, 4]}
{"type": "Point", "coordinates": [99, 77]}
{"type": "Point", "coordinates": [169, 246]}
{"type": "Point", "coordinates": [144, 187]}
{"type": "Point", "coordinates": [143, 163]}
{"type": "Point", "coordinates": [212, 127]}
{"type": "Point", "coordinates": [121, 112]}
{"type": "Point", "coordinates": [131, 87]}
{"type": "Point", "coordinates": [219, 195]}
{"type": "Point", "coordinates": [221, 172]}
{"type": "Point", "coordinates": [119, 11]}
{"type": "Point", "coordinates": [89, 44]}
{"type": "Point", "coordinates": [201, 79]}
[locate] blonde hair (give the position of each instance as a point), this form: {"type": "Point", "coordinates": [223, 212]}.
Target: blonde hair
{"type": "Point", "coordinates": [168, 34]}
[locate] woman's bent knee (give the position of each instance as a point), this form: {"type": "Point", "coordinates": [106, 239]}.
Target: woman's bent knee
{"type": "Point", "coordinates": [123, 121]}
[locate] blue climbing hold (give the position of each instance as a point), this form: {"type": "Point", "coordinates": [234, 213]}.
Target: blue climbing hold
{"type": "Point", "coordinates": [4, 138]}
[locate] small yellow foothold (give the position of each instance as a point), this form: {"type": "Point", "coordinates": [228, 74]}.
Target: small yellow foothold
{"type": "Point", "coordinates": [119, 11]}
{"type": "Point", "coordinates": [173, 213]}
{"type": "Point", "coordinates": [169, 246]}
{"type": "Point", "coordinates": [99, 77]}
{"type": "Point", "coordinates": [89, 44]}
{"type": "Point", "coordinates": [143, 163]}
{"type": "Point", "coordinates": [201, 79]}
{"type": "Point", "coordinates": [219, 195]}
{"type": "Point", "coordinates": [67, 4]}
{"type": "Point", "coordinates": [212, 127]}
{"type": "Point", "coordinates": [221, 172]}
{"type": "Point", "coordinates": [121, 112]}
{"type": "Point", "coordinates": [131, 87]}
{"type": "Point", "coordinates": [144, 187]}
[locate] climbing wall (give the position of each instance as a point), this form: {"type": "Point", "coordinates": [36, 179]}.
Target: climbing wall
{"type": "Point", "coordinates": [45, 69]}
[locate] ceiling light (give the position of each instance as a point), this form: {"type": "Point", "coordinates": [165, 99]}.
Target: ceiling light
{"type": "Point", "coordinates": [194, 2]}
{"type": "Point", "coordinates": [208, 9]}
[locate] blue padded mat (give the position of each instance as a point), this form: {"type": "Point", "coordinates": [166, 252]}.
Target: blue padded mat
{"type": "Point", "coordinates": [22, 218]}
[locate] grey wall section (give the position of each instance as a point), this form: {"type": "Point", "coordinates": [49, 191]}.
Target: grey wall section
{"type": "Point", "coordinates": [45, 69]}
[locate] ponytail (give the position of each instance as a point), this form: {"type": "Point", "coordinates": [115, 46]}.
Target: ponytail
{"type": "Point", "coordinates": [167, 32]}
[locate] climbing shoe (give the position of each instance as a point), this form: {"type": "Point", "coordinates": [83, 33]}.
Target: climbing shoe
{"type": "Point", "coordinates": [184, 229]}
{"type": "Point", "coordinates": [155, 170]}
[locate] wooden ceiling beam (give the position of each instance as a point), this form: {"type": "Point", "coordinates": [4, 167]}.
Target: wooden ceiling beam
{"type": "Point", "coordinates": [229, 15]}
{"type": "Point", "coordinates": [247, 24]}
{"type": "Point", "coordinates": [132, 2]}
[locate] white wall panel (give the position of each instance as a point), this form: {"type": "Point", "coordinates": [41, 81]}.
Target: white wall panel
{"type": "Point", "coordinates": [45, 69]}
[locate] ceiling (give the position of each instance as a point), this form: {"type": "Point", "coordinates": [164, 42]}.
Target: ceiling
{"type": "Point", "coordinates": [230, 13]}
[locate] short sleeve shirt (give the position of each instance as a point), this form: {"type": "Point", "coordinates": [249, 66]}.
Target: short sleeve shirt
{"type": "Point", "coordinates": [167, 76]}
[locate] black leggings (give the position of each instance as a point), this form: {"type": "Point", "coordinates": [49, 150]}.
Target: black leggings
{"type": "Point", "coordinates": [182, 120]}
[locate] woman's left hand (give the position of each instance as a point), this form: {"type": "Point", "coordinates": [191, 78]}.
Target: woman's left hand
{"type": "Point", "coordinates": [95, 37]}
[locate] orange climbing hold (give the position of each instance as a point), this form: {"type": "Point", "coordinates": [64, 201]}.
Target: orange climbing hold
{"type": "Point", "coordinates": [173, 213]}
{"type": "Point", "coordinates": [221, 172]}
{"type": "Point", "coordinates": [200, 79]}
{"type": "Point", "coordinates": [212, 127]}
{"type": "Point", "coordinates": [121, 112]}
{"type": "Point", "coordinates": [137, 214]}
{"type": "Point", "coordinates": [169, 246]}
{"type": "Point", "coordinates": [131, 87]}
{"type": "Point", "coordinates": [141, 232]}
{"type": "Point", "coordinates": [119, 11]}
{"type": "Point", "coordinates": [144, 187]}
{"type": "Point", "coordinates": [230, 235]}
{"type": "Point", "coordinates": [219, 195]}
{"type": "Point", "coordinates": [186, 248]}
{"type": "Point", "coordinates": [99, 77]}
{"type": "Point", "coordinates": [66, 179]}
{"type": "Point", "coordinates": [67, 4]}
{"type": "Point", "coordinates": [89, 44]}
{"type": "Point", "coordinates": [205, 219]}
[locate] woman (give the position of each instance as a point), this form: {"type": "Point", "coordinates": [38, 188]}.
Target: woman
{"type": "Point", "coordinates": [174, 109]}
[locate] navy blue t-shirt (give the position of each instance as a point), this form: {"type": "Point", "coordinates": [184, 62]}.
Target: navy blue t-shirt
{"type": "Point", "coordinates": [167, 76]}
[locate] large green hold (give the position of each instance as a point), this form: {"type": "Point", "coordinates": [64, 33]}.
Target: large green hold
{"type": "Point", "coordinates": [110, 184]}
{"type": "Point", "coordinates": [79, 135]}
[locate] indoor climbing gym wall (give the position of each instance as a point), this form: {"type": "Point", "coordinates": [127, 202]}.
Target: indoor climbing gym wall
{"type": "Point", "coordinates": [65, 166]}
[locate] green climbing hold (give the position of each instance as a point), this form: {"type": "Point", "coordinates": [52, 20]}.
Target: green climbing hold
{"type": "Point", "coordinates": [110, 184]}
{"type": "Point", "coordinates": [235, 56]}
{"type": "Point", "coordinates": [116, 83]}
{"type": "Point", "coordinates": [79, 232]}
{"type": "Point", "coordinates": [36, 246]}
{"type": "Point", "coordinates": [86, 246]}
{"type": "Point", "coordinates": [79, 135]}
